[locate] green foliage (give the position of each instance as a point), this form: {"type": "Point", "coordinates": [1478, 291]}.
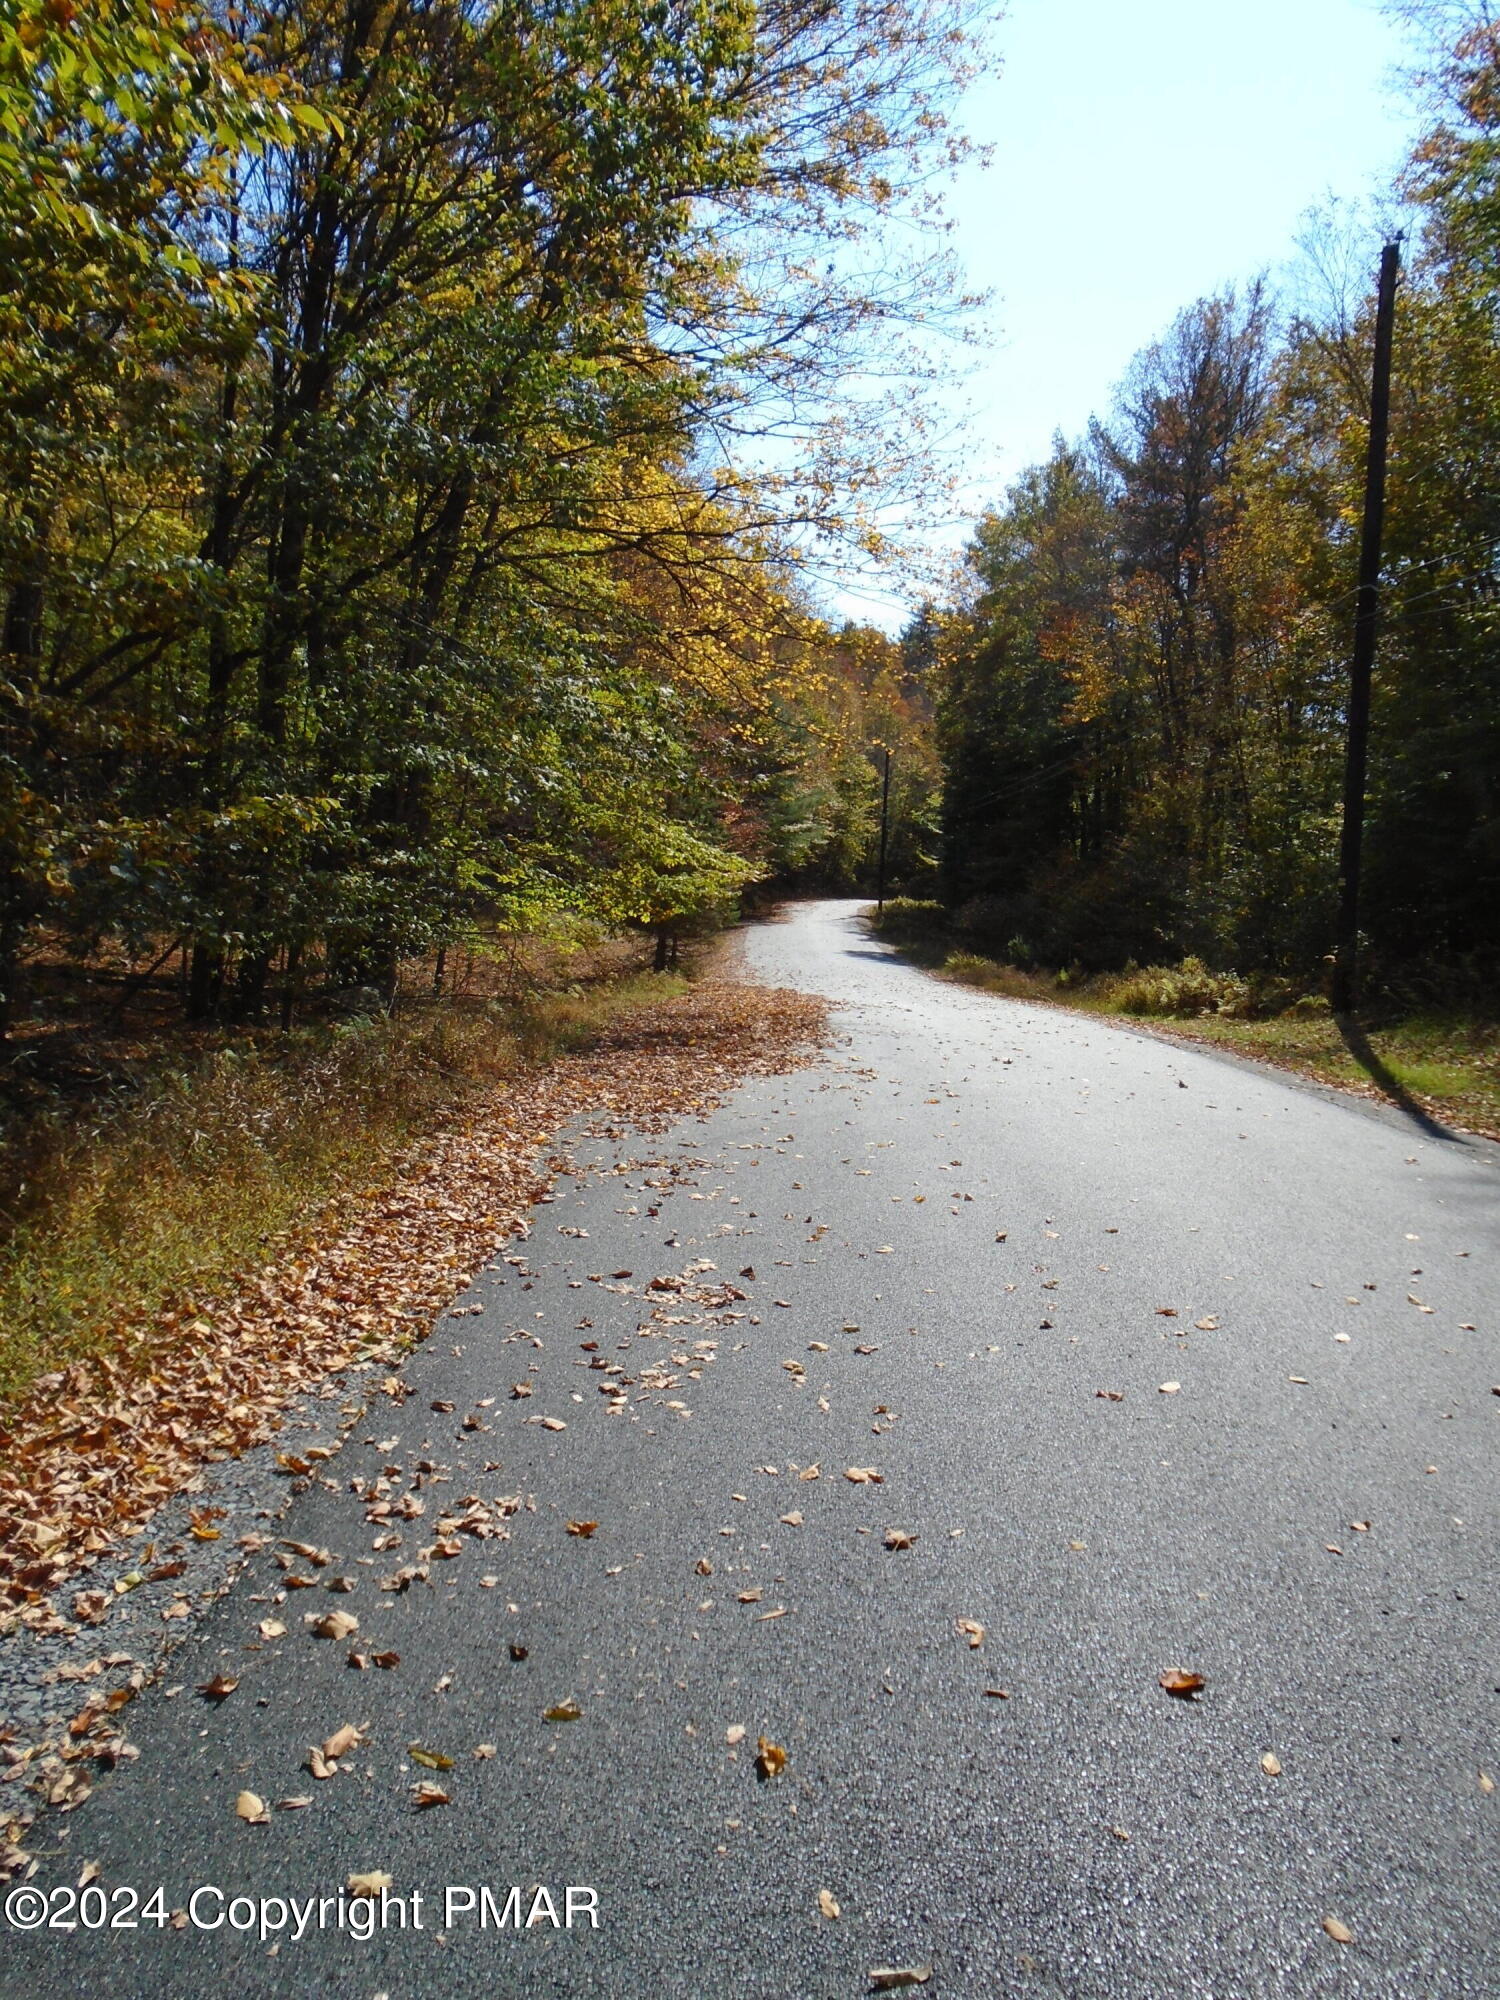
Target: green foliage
{"type": "Point", "coordinates": [382, 552]}
{"type": "Point", "coordinates": [1143, 687]}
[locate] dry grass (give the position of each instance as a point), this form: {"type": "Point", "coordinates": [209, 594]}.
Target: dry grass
{"type": "Point", "coordinates": [199, 1169]}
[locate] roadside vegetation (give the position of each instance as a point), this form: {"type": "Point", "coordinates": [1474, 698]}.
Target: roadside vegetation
{"type": "Point", "coordinates": [190, 1162]}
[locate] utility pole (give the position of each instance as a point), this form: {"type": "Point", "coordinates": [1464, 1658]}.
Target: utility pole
{"type": "Point", "coordinates": [1366, 626]}
{"type": "Point", "coordinates": [885, 822]}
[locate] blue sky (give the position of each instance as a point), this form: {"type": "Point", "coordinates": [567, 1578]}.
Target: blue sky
{"type": "Point", "coordinates": [1147, 152]}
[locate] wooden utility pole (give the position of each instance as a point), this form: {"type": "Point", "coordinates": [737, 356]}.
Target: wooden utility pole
{"type": "Point", "coordinates": [885, 821]}
{"type": "Point", "coordinates": [1366, 626]}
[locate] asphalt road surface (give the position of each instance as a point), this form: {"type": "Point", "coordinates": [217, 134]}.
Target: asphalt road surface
{"type": "Point", "coordinates": [964, 1224]}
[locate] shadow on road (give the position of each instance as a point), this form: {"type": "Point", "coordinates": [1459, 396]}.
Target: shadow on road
{"type": "Point", "coordinates": [1357, 1043]}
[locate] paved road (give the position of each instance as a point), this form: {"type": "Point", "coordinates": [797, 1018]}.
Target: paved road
{"type": "Point", "coordinates": [973, 1217]}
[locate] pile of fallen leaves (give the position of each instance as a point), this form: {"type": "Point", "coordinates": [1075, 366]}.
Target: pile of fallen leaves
{"type": "Point", "coordinates": [95, 1450]}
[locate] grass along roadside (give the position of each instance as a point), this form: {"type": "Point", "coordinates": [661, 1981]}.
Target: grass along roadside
{"type": "Point", "coordinates": [202, 1172]}
{"type": "Point", "coordinates": [1445, 1065]}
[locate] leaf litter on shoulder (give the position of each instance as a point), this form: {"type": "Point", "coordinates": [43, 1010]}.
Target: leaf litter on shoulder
{"type": "Point", "coordinates": [94, 1450]}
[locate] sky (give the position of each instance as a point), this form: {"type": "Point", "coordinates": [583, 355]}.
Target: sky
{"type": "Point", "coordinates": [1146, 152]}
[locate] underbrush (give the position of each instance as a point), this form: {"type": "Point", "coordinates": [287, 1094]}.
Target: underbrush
{"type": "Point", "coordinates": [171, 1186]}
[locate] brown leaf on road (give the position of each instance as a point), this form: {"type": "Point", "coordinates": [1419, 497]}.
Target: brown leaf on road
{"type": "Point", "coordinates": [1339, 1932]}
{"type": "Point", "coordinates": [251, 1808]}
{"type": "Point", "coordinates": [1270, 1763]}
{"type": "Point", "coordinates": [294, 1804]}
{"type": "Point", "coordinates": [1181, 1682]}
{"type": "Point", "coordinates": [1111, 1395]}
{"type": "Point", "coordinates": [583, 1529]}
{"type": "Point", "coordinates": [864, 1475]}
{"type": "Point", "coordinates": [792, 1520]}
{"type": "Point", "coordinates": [828, 1904]}
{"type": "Point", "coordinates": [370, 1883]}
{"type": "Point", "coordinates": [770, 1758]}
{"type": "Point", "coordinates": [998, 1694]}
{"type": "Point", "coordinates": [752, 1596]}
{"type": "Point", "coordinates": [898, 1538]}
{"type": "Point", "coordinates": [971, 1629]}
{"type": "Point", "coordinates": [735, 1733]}
{"type": "Point", "coordinates": [386, 1660]}
{"type": "Point", "coordinates": [485, 1752]}
{"type": "Point", "coordinates": [1168, 1388]}
{"type": "Point", "coordinates": [426, 1793]}
{"type": "Point", "coordinates": [563, 1711]}
{"type": "Point", "coordinates": [548, 1423]}
{"type": "Point", "coordinates": [272, 1628]}
{"type": "Point", "coordinates": [333, 1625]}
{"type": "Point", "coordinates": [219, 1688]}
{"type": "Point", "coordinates": [887, 1978]}
{"type": "Point", "coordinates": [343, 1741]}
{"type": "Point", "coordinates": [1208, 1324]}
{"type": "Point", "coordinates": [703, 1567]}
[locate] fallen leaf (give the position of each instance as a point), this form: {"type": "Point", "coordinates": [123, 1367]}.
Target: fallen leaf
{"type": "Point", "coordinates": [752, 1596]}
{"type": "Point", "coordinates": [1167, 1388]}
{"type": "Point", "coordinates": [430, 1760]}
{"type": "Point", "coordinates": [1111, 1395]}
{"type": "Point", "coordinates": [294, 1804]}
{"type": "Point", "coordinates": [333, 1624]}
{"type": "Point", "coordinates": [426, 1793]}
{"type": "Point", "coordinates": [484, 1752]}
{"type": "Point", "coordinates": [1270, 1763]}
{"type": "Point", "coordinates": [369, 1884]}
{"type": "Point", "coordinates": [1339, 1932]}
{"type": "Point", "coordinates": [792, 1520]}
{"type": "Point", "coordinates": [898, 1538]}
{"type": "Point", "coordinates": [971, 1629]}
{"type": "Point", "coordinates": [252, 1809]}
{"type": "Point", "coordinates": [1208, 1324]}
{"type": "Point", "coordinates": [552, 1423]}
{"type": "Point", "coordinates": [219, 1688]}
{"type": "Point", "coordinates": [864, 1475]}
{"type": "Point", "coordinates": [272, 1628]}
{"type": "Point", "coordinates": [998, 1694]}
{"type": "Point", "coordinates": [703, 1567]}
{"type": "Point", "coordinates": [582, 1528]}
{"type": "Point", "coordinates": [563, 1711]}
{"type": "Point", "coordinates": [343, 1741]}
{"type": "Point", "coordinates": [735, 1733]}
{"type": "Point", "coordinates": [828, 1904]}
{"type": "Point", "coordinates": [1180, 1681]}
{"type": "Point", "coordinates": [770, 1758]}
{"type": "Point", "coordinates": [886, 1978]}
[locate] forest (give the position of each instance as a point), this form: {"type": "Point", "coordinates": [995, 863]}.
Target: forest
{"type": "Point", "coordinates": [1143, 688]}
{"type": "Point", "coordinates": [418, 431]}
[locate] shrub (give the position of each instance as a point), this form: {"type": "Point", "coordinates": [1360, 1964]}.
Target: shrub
{"type": "Point", "coordinates": [909, 918]}
{"type": "Point", "coordinates": [1183, 990]}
